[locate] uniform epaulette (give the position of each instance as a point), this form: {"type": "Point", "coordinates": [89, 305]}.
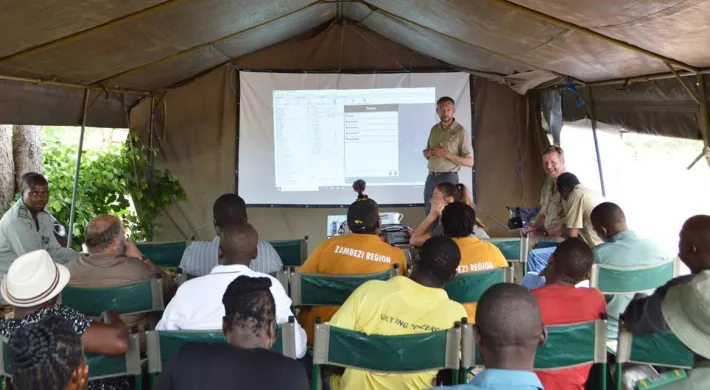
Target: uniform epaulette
{"type": "Point", "coordinates": [22, 212]}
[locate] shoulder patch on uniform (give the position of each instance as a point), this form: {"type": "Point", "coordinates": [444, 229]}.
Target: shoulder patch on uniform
{"type": "Point", "coordinates": [22, 212]}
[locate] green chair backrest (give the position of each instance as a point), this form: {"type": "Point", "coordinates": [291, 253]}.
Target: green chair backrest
{"type": "Point", "coordinates": [567, 346]}
{"type": "Point", "coordinates": [510, 247]}
{"type": "Point", "coordinates": [468, 287]}
{"type": "Point", "coordinates": [613, 280]}
{"type": "Point", "coordinates": [164, 254]}
{"type": "Point", "coordinates": [291, 252]}
{"type": "Point", "coordinates": [132, 298]}
{"type": "Point", "coordinates": [330, 290]}
{"type": "Point", "coordinates": [656, 349]}
{"type": "Point", "coordinates": [387, 354]}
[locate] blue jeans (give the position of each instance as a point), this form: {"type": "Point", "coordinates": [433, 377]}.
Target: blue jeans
{"type": "Point", "coordinates": [433, 181]}
{"type": "Point", "coordinates": [538, 258]}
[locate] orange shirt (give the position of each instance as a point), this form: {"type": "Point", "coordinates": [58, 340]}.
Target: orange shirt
{"type": "Point", "coordinates": [347, 255]}
{"type": "Point", "coordinates": [476, 256]}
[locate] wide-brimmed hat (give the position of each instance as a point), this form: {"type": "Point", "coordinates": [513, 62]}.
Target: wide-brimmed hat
{"type": "Point", "coordinates": [33, 278]}
{"type": "Point", "coordinates": [686, 309]}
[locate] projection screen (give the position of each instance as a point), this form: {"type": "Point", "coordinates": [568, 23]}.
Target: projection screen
{"type": "Point", "coordinates": [305, 138]}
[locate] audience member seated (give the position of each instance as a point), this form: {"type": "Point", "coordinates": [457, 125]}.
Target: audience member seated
{"type": "Point", "coordinates": [550, 219]}
{"type": "Point", "coordinates": [201, 256]}
{"type": "Point", "coordinates": [27, 226]}
{"type": "Point", "coordinates": [458, 220]}
{"type": "Point", "coordinates": [643, 314]}
{"type": "Point", "coordinates": [562, 303]}
{"type": "Point", "coordinates": [115, 261]}
{"type": "Point", "coordinates": [444, 194]}
{"type": "Point", "coordinates": [509, 329]}
{"type": "Point", "coordinates": [32, 286]}
{"type": "Point", "coordinates": [622, 247]}
{"type": "Point", "coordinates": [534, 280]}
{"type": "Point", "coordinates": [196, 305]}
{"type": "Point", "coordinates": [385, 307]}
{"type": "Point", "coordinates": [686, 310]}
{"type": "Point", "coordinates": [359, 252]}
{"type": "Point", "coordinates": [47, 355]}
{"type": "Point", "coordinates": [249, 327]}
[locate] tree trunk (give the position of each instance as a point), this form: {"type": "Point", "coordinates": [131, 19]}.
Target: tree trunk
{"type": "Point", "coordinates": [27, 150]}
{"type": "Point", "coordinates": [7, 169]}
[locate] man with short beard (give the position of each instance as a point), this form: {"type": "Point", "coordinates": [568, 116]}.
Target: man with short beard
{"type": "Point", "coordinates": [115, 261]}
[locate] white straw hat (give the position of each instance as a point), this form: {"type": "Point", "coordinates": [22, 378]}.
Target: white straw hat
{"type": "Point", "coordinates": [33, 278]}
{"type": "Point", "coordinates": [686, 309]}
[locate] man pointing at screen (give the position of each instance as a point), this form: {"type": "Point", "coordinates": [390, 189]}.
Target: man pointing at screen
{"type": "Point", "coordinates": [448, 149]}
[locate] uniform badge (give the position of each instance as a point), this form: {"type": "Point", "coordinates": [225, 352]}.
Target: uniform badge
{"type": "Point", "coordinates": [45, 240]}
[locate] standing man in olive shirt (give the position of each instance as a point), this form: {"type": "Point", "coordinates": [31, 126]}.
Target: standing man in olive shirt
{"type": "Point", "coordinates": [448, 149]}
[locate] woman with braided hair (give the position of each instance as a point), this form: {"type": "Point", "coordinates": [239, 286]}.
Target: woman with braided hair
{"type": "Point", "coordinates": [47, 355]}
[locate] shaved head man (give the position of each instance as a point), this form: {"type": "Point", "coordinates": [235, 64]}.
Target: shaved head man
{"type": "Point", "coordinates": [608, 220]}
{"type": "Point", "coordinates": [238, 244]}
{"type": "Point", "coordinates": [694, 245]}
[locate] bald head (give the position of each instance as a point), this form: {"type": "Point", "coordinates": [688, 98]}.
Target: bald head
{"type": "Point", "coordinates": [694, 245]}
{"type": "Point", "coordinates": [237, 244]}
{"type": "Point", "coordinates": [608, 219]}
{"type": "Point", "coordinates": [102, 232]}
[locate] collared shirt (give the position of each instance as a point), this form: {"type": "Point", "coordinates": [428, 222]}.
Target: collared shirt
{"type": "Point", "coordinates": [625, 249]}
{"type": "Point", "coordinates": [19, 235]}
{"type": "Point", "coordinates": [644, 315]}
{"type": "Point", "coordinates": [456, 140]}
{"type": "Point", "coordinates": [201, 256]}
{"type": "Point", "coordinates": [398, 306]}
{"type": "Point", "coordinates": [197, 305]}
{"type": "Point", "coordinates": [551, 201]}
{"type": "Point", "coordinates": [496, 379]}
{"type": "Point", "coordinates": [578, 213]}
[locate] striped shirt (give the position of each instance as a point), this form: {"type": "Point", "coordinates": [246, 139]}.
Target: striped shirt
{"type": "Point", "coordinates": [201, 256]}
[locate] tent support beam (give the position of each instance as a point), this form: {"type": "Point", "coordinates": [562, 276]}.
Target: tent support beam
{"type": "Point", "coordinates": [490, 51]}
{"type": "Point", "coordinates": [593, 116]}
{"type": "Point", "coordinates": [150, 140]}
{"type": "Point", "coordinates": [72, 212]}
{"type": "Point", "coordinates": [592, 33]}
{"type": "Point", "coordinates": [81, 34]}
{"type": "Point", "coordinates": [72, 85]}
{"type": "Point", "coordinates": [704, 116]}
{"type": "Point", "coordinates": [635, 79]}
{"type": "Point", "coordinates": [204, 45]}
{"type": "Point", "coordinates": [683, 84]}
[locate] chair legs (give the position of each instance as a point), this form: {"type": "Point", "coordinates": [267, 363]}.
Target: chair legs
{"type": "Point", "coordinates": [604, 373]}
{"type": "Point", "coordinates": [619, 382]}
{"type": "Point", "coordinates": [316, 377]}
{"type": "Point", "coordinates": [139, 382]}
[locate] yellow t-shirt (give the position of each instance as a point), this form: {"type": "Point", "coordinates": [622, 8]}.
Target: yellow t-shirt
{"type": "Point", "coordinates": [477, 256]}
{"type": "Point", "coordinates": [347, 255]}
{"type": "Point", "coordinates": [395, 307]}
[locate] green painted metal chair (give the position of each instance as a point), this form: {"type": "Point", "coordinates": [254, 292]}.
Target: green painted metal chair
{"type": "Point", "coordinates": [101, 367]}
{"type": "Point", "coordinates": [468, 287]}
{"type": "Point", "coordinates": [654, 349]}
{"type": "Point", "coordinates": [291, 252]}
{"type": "Point", "coordinates": [161, 346]}
{"type": "Point", "coordinates": [567, 346]}
{"type": "Point", "coordinates": [330, 290]}
{"type": "Point", "coordinates": [141, 297]}
{"type": "Point", "coordinates": [510, 247]}
{"type": "Point", "coordinates": [164, 254]}
{"type": "Point", "coordinates": [413, 353]}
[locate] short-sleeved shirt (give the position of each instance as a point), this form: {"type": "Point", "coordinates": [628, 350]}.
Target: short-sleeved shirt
{"type": "Point", "coordinates": [398, 306]}
{"type": "Point", "coordinates": [497, 379]}
{"type": "Point", "coordinates": [578, 213]}
{"type": "Point", "coordinates": [350, 254]}
{"type": "Point", "coordinates": [477, 256]}
{"type": "Point", "coordinates": [551, 201]}
{"type": "Point", "coordinates": [79, 322]}
{"type": "Point", "coordinates": [625, 249]}
{"type": "Point", "coordinates": [456, 140]}
{"type": "Point", "coordinates": [201, 256]}
{"type": "Point", "coordinates": [561, 305]}
{"type": "Point", "coordinates": [19, 235]}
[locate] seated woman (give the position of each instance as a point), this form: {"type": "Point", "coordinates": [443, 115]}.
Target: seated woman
{"type": "Point", "coordinates": [444, 194]}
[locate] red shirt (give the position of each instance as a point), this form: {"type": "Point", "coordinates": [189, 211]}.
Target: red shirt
{"type": "Point", "coordinates": [567, 305]}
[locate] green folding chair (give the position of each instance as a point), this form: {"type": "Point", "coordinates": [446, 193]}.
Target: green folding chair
{"type": "Point", "coordinates": [567, 346]}
{"type": "Point", "coordinates": [468, 287]}
{"type": "Point", "coordinates": [161, 346]}
{"type": "Point", "coordinates": [141, 297]}
{"type": "Point", "coordinates": [385, 354]}
{"type": "Point", "coordinates": [291, 252]}
{"type": "Point", "coordinates": [100, 366]}
{"type": "Point", "coordinates": [164, 254]}
{"type": "Point", "coordinates": [330, 290]}
{"type": "Point", "coordinates": [655, 349]}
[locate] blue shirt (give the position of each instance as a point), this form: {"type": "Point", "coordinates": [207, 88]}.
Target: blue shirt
{"type": "Point", "coordinates": [625, 249]}
{"type": "Point", "coordinates": [494, 379]}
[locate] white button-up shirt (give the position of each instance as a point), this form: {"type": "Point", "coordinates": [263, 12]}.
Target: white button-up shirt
{"type": "Point", "coordinates": [197, 305]}
{"type": "Point", "coordinates": [201, 256]}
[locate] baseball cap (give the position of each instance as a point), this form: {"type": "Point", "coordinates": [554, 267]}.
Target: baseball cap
{"type": "Point", "coordinates": [363, 215]}
{"type": "Point", "coordinates": [686, 309]}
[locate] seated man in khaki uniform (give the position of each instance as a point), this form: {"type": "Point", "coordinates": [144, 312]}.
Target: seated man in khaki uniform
{"type": "Point", "coordinates": [115, 261]}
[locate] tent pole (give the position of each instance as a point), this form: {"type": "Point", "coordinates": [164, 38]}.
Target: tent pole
{"type": "Point", "coordinates": [704, 116]}
{"type": "Point", "coordinates": [683, 83]}
{"type": "Point", "coordinates": [596, 141]}
{"type": "Point", "coordinates": [72, 212]}
{"type": "Point", "coordinates": [150, 140]}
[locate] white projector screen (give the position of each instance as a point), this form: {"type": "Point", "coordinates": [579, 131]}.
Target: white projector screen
{"type": "Point", "coordinates": [305, 138]}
